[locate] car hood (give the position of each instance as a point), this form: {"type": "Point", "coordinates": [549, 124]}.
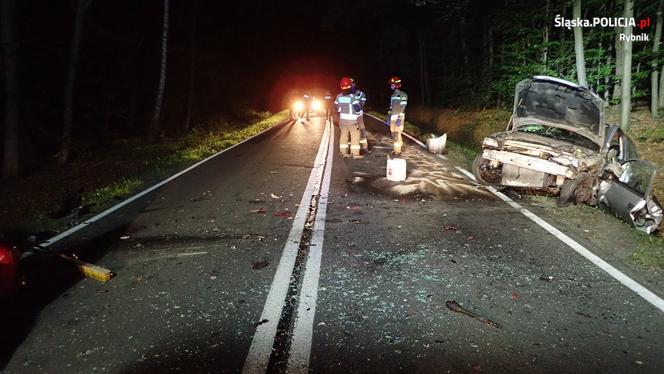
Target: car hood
{"type": "Point", "coordinates": [559, 103]}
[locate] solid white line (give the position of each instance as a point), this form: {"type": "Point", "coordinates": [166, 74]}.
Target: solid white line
{"type": "Point", "coordinates": [112, 209]}
{"type": "Point", "coordinates": [261, 346]}
{"type": "Point", "coordinates": [615, 273]}
{"type": "Point", "coordinates": [298, 359]}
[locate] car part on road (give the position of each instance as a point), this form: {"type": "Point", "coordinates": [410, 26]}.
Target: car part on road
{"type": "Point", "coordinates": [558, 142]}
{"type": "Point", "coordinates": [454, 306]}
{"type": "Point", "coordinates": [436, 145]}
{"type": "Point", "coordinates": [86, 269]}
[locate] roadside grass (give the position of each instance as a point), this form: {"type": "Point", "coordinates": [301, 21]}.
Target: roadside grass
{"type": "Point", "coordinates": [172, 155]}
{"type": "Point", "coordinates": [108, 173]}
{"type": "Point", "coordinates": [650, 251]}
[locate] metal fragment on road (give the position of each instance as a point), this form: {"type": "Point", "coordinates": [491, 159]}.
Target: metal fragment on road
{"type": "Point", "coordinates": [456, 307]}
{"type": "Point", "coordinates": [257, 265]}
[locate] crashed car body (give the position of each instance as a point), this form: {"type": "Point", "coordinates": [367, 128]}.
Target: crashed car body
{"type": "Point", "coordinates": [558, 141]}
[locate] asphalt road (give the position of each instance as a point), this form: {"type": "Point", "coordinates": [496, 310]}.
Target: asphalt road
{"type": "Point", "coordinates": [198, 259]}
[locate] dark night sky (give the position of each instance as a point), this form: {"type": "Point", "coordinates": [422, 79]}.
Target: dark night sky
{"type": "Point", "coordinates": [257, 48]}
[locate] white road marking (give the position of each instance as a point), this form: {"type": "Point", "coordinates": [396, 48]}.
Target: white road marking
{"type": "Point", "coordinates": [628, 282]}
{"type": "Point", "coordinates": [261, 346]}
{"type": "Point", "coordinates": [190, 254]}
{"type": "Point", "coordinates": [112, 209]}
{"type": "Point", "coordinates": [300, 350]}
{"type": "Point", "coordinates": [615, 273]}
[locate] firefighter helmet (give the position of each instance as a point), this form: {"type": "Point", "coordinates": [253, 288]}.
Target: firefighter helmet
{"type": "Point", "coordinates": [345, 83]}
{"type": "Point", "coordinates": [396, 81]}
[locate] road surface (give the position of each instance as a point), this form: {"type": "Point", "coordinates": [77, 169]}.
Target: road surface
{"type": "Point", "coordinates": [234, 267]}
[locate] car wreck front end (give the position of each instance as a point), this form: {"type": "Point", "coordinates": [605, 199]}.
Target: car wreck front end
{"type": "Point", "coordinates": [555, 133]}
{"type": "Point", "coordinates": [558, 142]}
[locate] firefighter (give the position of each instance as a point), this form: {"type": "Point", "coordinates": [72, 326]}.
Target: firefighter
{"type": "Point", "coordinates": [348, 106]}
{"type": "Point", "coordinates": [398, 102]}
{"type": "Point", "coordinates": [328, 105]}
{"type": "Point", "coordinates": [360, 120]}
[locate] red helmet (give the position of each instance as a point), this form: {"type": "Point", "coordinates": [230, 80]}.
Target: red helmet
{"type": "Point", "coordinates": [346, 83]}
{"type": "Point", "coordinates": [396, 81]}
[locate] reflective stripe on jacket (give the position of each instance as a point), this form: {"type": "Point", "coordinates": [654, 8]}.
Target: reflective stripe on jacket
{"type": "Point", "coordinates": [345, 106]}
{"type": "Point", "coordinates": [398, 102]}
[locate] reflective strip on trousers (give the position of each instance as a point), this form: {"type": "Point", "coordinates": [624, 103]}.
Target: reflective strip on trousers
{"type": "Point", "coordinates": [351, 117]}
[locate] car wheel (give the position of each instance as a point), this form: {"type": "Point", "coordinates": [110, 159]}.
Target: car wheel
{"type": "Point", "coordinates": [577, 190]}
{"type": "Point", "coordinates": [483, 174]}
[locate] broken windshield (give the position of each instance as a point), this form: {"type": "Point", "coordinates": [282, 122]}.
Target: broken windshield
{"type": "Point", "coordinates": [558, 133]}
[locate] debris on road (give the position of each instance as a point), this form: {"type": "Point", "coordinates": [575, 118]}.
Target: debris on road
{"type": "Point", "coordinates": [283, 214]}
{"type": "Point", "coordinates": [450, 226]}
{"type": "Point", "coordinates": [261, 322]}
{"type": "Point", "coordinates": [257, 265]}
{"type": "Point", "coordinates": [546, 279]}
{"type": "Point", "coordinates": [260, 210]}
{"type": "Point", "coordinates": [125, 237]}
{"type": "Point", "coordinates": [454, 306]}
{"type": "Point", "coordinates": [515, 295]}
{"type": "Point", "coordinates": [275, 196]}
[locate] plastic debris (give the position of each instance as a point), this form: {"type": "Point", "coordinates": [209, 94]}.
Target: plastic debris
{"type": "Point", "coordinates": [257, 265]}
{"type": "Point", "coordinates": [259, 210]}
{"type": "Point", "coordinates": [125, 237]}
{"type": "Point", "coordinates": [275, 196]}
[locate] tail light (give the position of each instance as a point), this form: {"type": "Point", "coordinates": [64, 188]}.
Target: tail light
{"type": "Point", "coordinates": [8, 271]}
{"type": "Point", "coordinates": [7, 256]}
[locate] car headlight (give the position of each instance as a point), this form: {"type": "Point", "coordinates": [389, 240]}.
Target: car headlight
{"type": "Point", "coordinates": [298, 106]}
{"type": "Point", "coordinates": [490, 143]}
{"type": "Point", "coordinates": [316, 105]}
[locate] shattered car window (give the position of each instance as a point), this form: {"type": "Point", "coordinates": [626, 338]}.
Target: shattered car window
{"type": "Point", "coordinates": [558, 133]}
{"type": "Point", "coordinates": [637, 175]}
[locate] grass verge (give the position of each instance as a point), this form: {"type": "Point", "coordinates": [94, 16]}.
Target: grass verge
{"type": "Point", "coordinates": [108, 173]}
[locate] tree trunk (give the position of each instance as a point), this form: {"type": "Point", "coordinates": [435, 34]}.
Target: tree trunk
{"type": "Point", "coordinates": [156, 114]}
{"type": "Point", "coordinates": [192, 69]}
{"type": "Point", "coordinates": [625, 100]}
{"type": "Point", "coordinates": [654, 83]}
{"type": "Point", "coordinates": [545, 52]}
{"type": "Point", "coordinates": [620, 57]}
{"type": "Point", "coordinates": [491, 47]}
{"type": "Point", "coordinates": [10, 157]}
{"type": "Point", "coordinates": [609, 56]}
{"type": "Point", "coordinates": [67, 124]}
{"type": "Point", "coordinates": [578, 46]}
{"type": "Point", "coordinates": [661, 88]}
{"type": "Point", "coordinates": [424, 74]}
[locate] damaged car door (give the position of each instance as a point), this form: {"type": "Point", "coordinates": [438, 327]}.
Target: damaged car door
{"type": "Point", "coordinates": [629, 195]}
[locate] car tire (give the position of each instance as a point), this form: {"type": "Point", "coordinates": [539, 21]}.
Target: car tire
{"type": "Point", "coordinates": [577, 190]}
{"type": "Point", "coordinates": [477, 172]}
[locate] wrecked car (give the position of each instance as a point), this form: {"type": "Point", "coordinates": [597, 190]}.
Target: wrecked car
{"type": "Point", "coordinates": [557, 141]}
